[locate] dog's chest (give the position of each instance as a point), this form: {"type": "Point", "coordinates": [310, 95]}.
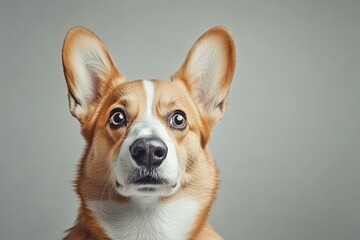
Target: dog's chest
{"type": "Point", "coordinates": [155, 221]}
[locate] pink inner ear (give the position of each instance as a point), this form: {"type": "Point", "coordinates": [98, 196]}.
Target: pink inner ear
{"type": "Point", "coordinates": [206, 90]}
{"type": "Point", "coordinates": [199, 95]}
{"type": "Point", "coordinates": [203, 97]}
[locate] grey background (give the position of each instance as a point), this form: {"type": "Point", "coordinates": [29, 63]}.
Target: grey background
{"type": "Point", "coordinates": [288, 148]}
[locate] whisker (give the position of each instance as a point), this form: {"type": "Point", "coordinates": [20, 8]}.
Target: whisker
{"type": "Point", "coordinates": [102, 194]}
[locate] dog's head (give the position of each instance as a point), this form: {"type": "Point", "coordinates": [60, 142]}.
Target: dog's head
{"type": "Point", "coordinates": [144, 136]}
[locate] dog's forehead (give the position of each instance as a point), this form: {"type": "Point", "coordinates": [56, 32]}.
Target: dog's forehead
{"type": "Point", "coordinates": [129, 90]}
{"type": "Point", "coordinates": [169, 93]}
{"type": "Point", "coordinates": [143, 93]}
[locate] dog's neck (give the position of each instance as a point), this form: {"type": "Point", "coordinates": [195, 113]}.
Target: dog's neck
{"type": "Point", "coordinates": [146, 218]}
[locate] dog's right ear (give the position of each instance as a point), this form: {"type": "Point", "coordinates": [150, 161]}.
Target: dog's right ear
{"type": "Point", "coordinates": [89, 70]}
{"type": "Point", "coordinates": [208, 71]}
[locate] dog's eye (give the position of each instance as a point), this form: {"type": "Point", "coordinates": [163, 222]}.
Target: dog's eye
{"type": "Point", "coordinates": [117, 118]}
{"type": "Point", "coordinates": [178, 120]}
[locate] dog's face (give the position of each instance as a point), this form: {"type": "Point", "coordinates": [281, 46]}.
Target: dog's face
{"type": "Point", "coordinates": [144, 136]}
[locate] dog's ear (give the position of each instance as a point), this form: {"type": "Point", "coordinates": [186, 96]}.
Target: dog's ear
{"type": "Point", "coordinates": [208, 71]}
{"type": "Point", "coordinates": [89, 70]}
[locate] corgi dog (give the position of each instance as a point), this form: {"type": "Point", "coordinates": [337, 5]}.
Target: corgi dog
{"type": "Point", "coordinates": [146, 173]}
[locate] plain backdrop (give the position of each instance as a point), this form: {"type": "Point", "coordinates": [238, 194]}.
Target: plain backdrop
{"type": "Point", "coordinates": [288, 148]}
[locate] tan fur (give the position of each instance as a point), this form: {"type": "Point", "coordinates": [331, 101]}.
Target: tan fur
{"type": "Point", "coordinates": [95, 179]}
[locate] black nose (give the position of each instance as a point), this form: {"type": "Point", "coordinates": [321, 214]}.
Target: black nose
{"type": "Point", "coordinates": [148, 152]}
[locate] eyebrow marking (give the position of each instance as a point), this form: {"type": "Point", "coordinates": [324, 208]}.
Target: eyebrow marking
{"type": "Point", "coordinates": [123, 101]}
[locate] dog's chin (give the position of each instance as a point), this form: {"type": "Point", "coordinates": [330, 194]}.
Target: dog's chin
{"type": "Point", "coordinates": [147, 186]}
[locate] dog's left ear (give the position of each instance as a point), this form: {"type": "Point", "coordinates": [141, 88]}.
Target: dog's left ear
{"type": "Point", "coordinates": [208, 71]}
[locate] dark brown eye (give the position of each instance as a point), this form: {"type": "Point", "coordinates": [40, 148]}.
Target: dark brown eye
{"type": "Point", "coordinates": [178, 120]}
{"type": "Point", "coordinates": [117, 118]}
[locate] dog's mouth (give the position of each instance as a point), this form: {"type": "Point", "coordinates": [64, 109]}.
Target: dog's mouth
{"type": "Point", "coordinates": [147, 180]}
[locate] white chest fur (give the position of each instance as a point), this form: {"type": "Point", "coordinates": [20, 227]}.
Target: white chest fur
{"type": "Point", "coordinates": [146, 220]}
